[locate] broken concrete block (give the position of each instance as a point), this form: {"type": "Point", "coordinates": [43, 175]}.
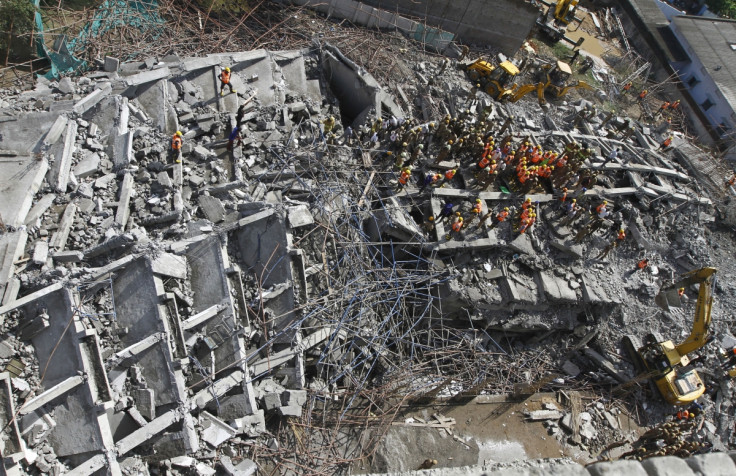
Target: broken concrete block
{"type": "Point", "coordinates": [246, 468]}
{"type": "Point", "coordinates": [104, 181]}
{"type": "Point", "coordinates": [145, 402]}
{"type": "Point", "coordinates": [58, 240]}
{"type": "Point", "coordinates": [41, 252]}
{"type": "Point", "coordinates": [147, 76]}
{"type": "Point", "coordinates": [522, 244]}
{"type": "Point", "coordinates": [126, 192]}
{"type": "Point", "coordinates": [539, 415]}
{"type": "Point", "coordinates": [54, 134]}
{"type": "Point", "coordinates": [202, 153]}
{"type": "Point", "coordinates": [215, 431]}
{"type": "Point", "coordinates": [294, 397]}
{"type": "Point", "coordinates": [290, 410]}
{"type": "Point", "coordinates": [87, 166]}
{"type": "Point", "coordinates": [300, 216]}
{"type": "Point", "coordinates": [271, 401]}
{"type": "Point", "coordinates": [68, 256]}
{"type": "Point", "coordinates": [251, 425]}
{"type": "Point", "coordinates": [111, 64]}
{"type": "Point", "coordinates": [168, 264]}
{"type": "Point", "coordinates": [66, 85]}
{"type": "Point", "coordinates": [212, 208]}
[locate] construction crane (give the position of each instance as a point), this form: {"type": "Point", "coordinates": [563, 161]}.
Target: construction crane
{"type": "Point", "coordinates": [497, 81]}
{"type": "Point", "coordinates": [668, 363]}
{"type": "Point", "coordinates": [555, 80]}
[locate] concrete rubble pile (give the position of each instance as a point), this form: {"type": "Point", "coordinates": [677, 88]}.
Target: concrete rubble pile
{"type": "Point", "coordinates": [164, 314]}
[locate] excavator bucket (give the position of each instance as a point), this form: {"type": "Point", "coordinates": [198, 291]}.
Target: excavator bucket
{"type": "Point", "coordinates": [668, 298]}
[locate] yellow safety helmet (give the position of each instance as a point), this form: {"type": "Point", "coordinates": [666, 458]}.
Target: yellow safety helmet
{"type": "Point", "coordinates": [179, 133]}
{"type": "Point", "coordinates": [477, 200]}
{"type": "Point", "coordinates": [227, 69]}
{"type": "Point", "coordinates": [431, 218]}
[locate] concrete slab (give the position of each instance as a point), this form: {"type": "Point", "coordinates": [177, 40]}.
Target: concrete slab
{"type": "Point", "coordinates": [212, 208]}
{"type": "Point", "coordinates": [24, 133]}
{"type": "Point", "coordinates": [555, 289]}
{"type": "Point", "coordinates": [12, 246]}
{"type": "Point", "coordinates": [154, 99]}
{"type": "Point", "coordinates": [257, 71]}
{"type": "Point", "coordinates": [215, 431]}
{"type": "Point", "coordinates": [56, 130]}
{"type": "Point", "coordinates": [20, 178]}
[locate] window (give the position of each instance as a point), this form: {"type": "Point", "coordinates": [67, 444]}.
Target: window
{"type": "Point", "coordinates": [693, 81]}
{"type": "Point", "coordinates": [707, 104]}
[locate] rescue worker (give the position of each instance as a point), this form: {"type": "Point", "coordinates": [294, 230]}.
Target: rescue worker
{"type": "Point", "coordinates": [500, 217]}
{"type": "Point", "coordinates": [601, 209]}
{"type": "Point", "coordinates": [446, 211]}
{"type": "Point", "coordinates": [627, 87]}
{"type": "Point", "coordinates": [730, 182]}
{"type": "Point", "coordinates": [429, 224]}
{"type": "Point", "coordinates": [234, 136]}
{"type": "Point", "coordinates": [449, 175]}
{"type": "Point", "coordinates": [175, 151]}
{"type": "Point", "coordinates": [642, 264]}
{"type": "Point", "coordinates": [643, 94]}
{"type": "Point", "coordinates": [404, 179]}
{"type": "Point", "coordinates": [666, 143]}
{"type": "Point", "coordinates": [225, 78]}
{"type": "Point", "coordinates": [457, 226]}
{"type": "Point", "coordinates": [675, 105]}
{"type": "Point", "coordinates": [476, 210]}
{"type": "Point", "coordinates": [327, 126]}
{"type": "Point", "coordinates": [620, 237]}
{"type": "Point", "coordinates": [564, 195]}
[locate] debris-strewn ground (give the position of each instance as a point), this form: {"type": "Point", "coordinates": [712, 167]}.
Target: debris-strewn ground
{"type": "Point", "coordinates": [282, 301]}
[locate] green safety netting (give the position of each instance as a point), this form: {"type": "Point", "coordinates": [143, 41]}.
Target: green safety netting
{"type": "Point", "coordinates": [142, 15]}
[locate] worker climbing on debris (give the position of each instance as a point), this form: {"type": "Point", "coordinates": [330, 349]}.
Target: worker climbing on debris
{"type": "Point", "coordinates": [675, 105]}
{"type": "Point", "coordinates": [602, 209]}
{"type": "Point", "coordinates": [627, 87]}
{"type": "Point", "coordinates": [620, 237]}
{"type": "Point", "coordinates": [642, 264]}
{"type": "Point", "coordinates": [327, 126]}
{"type": "Point", "coordinates": [643, 94]}
{"type": "Point", "coordinates": [225, 80]}
{"type": "Point", "coordinates": [446, 211]}
{"type": "Point", "coordinates": [456, 228]}
{"type": "Point", "coordinates": [449, 175]}
{"type": "Point", "coordinates": [476, 210]}
{"type": "Point", "coordinates": [730, 182]}
{"type": "Point", "coordinates": [666, 143]}
{"type": "Point", "coordinates": [663, 108]}
{"type": "Point", "coordinates": [234, 136]}
{"type": "Point", "coordinates": [175, 151]}
{"type": "Point", "coordinates": [429, 224]}
{"type": "Point", "coordinates": [404, 177]}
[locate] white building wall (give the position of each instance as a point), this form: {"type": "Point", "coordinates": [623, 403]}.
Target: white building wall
{"type": "Point", "coordinates": [705, 89]}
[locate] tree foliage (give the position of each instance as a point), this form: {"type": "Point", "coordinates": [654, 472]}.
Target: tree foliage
{"type": "Point", "coordinates": [724, 8]}
{"type": "Point", "coordinates": [16, 18]}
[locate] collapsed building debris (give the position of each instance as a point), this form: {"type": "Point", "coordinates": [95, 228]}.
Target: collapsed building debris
{"type": "Point", "coordinates": [286, 289]}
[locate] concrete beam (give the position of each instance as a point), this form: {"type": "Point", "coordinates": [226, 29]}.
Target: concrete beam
{"type": "Point", "coordinates": [135, 349]}
{"type": "Point", "coordinates": [51, 394]}
{"type": "Point", "coordinates": [126, 191]}
{"type": "Point", "coordinates": [54, 134]}
{"type": "Point", "coordinates": [62, 169]}
{"type": "Point", "coordinates": [147, 76]}
{"type": "Point", "coordinates": [89, 101]}
{"type": "Point", "coordinates": [58, 239]}
{"type": "Point", "coordinates": [39, 208]}
{"type": "Point", "coordinates": [285, 355]}
{"type": "Point", "coordinates": [202, 317]}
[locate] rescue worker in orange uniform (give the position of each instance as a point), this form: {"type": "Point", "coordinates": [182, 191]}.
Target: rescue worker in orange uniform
{"type": "Point", "coordinates": [448, 176]}
{"type": "Point", "coordinates": [456, 228]}
{"type": "Point", "coordinates": [627, 87]}
{"type": "Point", "coordinates": [666, 143]}
{"type": "Point", "coordinates": [404, 178]}
{"type": "Point", "coordinates": [500, 217]}
{"type": "Point", "coordinates": [175, 151]}
{"type": "Point", "coordinates": [225, 77]}
{"type": "Point", "coordinates": [643, 94]}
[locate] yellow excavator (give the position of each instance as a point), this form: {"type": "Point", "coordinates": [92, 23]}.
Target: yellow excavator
{"type": "Point", "coordinates": [664, 362]}
{"type": "Point", "coordinates": [555, 79]}
{"type": "Point", "coordinates": [562, 11]}
{"type": "Point", "coordinates": [497, 81]}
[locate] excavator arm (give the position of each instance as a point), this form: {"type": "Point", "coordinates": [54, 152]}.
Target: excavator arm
{"type": "Point", "coordinates": [580, 84]}
{"type": "Point", "coordinates": [699, 333]}
{"type": "Point", "coordinates": [523, 91]}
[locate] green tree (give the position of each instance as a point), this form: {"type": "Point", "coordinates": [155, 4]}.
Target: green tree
{"type": "Point", "coordinates": [16, 18]}
{"type": "Point", "coordinates": [724, 8]}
